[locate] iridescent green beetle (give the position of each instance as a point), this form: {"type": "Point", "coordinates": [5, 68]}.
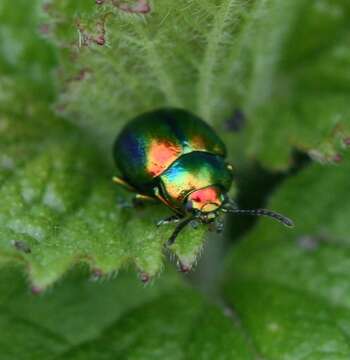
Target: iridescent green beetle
{"type": "Point", "coordinates": [172, 156]}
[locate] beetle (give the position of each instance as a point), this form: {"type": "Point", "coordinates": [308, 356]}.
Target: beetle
{"type": "Point", "coordinates": [171, 156]}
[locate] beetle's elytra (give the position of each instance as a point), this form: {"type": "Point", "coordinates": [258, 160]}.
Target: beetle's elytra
{"type": "Point", "coordinates": [172, 156]}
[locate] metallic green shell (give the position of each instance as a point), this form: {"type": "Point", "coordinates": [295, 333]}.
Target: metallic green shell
{"type": "Point", "coordinates": [150, 143]}
{"type": "Point", "coordinates": [194, 171]}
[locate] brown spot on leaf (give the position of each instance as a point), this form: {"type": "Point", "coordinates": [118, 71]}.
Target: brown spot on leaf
{"type": "Point", "coordinates": [47, 7]}
{"type": "Point", "coordinates": [36, 290]}
{"type": "Point", "coordinates": [140, 7]}
{"type": "Point", "coordinates": [144, 277]}
{"type": "Point", "coordinates": [337, 158]}
{"type": "Point", "coordinates": [100, 40]}
{"type": "Point", "coordinates": [44, 29]}
{"type": "Point", "coordinates": [81, 75]}
{"type": "Point", "coordinates": [347, 141]}
{"type": "Point", "coordinates": [61, 108]}
{"type": "Point", "coordinates": [21, 246]}
{"type": "Point", "coordinates": [184, 268]}
{"type": "Point", "coordinates": [87, 38]}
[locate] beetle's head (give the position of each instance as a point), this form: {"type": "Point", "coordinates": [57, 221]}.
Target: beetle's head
{"type": "Point", "coordinates": [206, 204]}
{"type": "Point", "coordinates": [206, 200]}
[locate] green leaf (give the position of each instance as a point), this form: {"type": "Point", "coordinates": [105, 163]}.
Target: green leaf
{"type": "Point", "coordinates": [64, 210]}
{"type": "Point", "coordinates": [291, 287]}
{"type": "Point", "coordinates": [283, 63]}
{"type": "Point", "coordinates": [58, 203]}
{"type": "Point", "coordinates": [298, 99]}
{"type": "Point", "coordinates": [148, 61]}
{"type": "Point", "coordinates": [26, 59]}
{"type": "Point", "coordinates": [117, 319]}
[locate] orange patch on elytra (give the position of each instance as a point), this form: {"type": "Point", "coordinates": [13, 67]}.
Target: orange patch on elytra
{"type": "Point", "coordinates": [161, 155]}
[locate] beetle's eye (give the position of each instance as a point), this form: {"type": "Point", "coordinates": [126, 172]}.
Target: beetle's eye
{"type": "Point", "coordinates": [189, 205]}
{"type": "Point", "coordinates": [224, 198]}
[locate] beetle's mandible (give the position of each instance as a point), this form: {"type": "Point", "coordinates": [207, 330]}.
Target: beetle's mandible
{"type": "Point", "coordinates": [172, 156]}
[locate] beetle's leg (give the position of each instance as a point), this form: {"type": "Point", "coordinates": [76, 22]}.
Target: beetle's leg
{"type": "Point", "coordinates": [173, 219]}
{"type": "Point", "coordinates": [122, 202]}
{"type": "Point", "coordinates": [158, 195]}
{"type": "Point", "coordinates": [141, 199]}
{"type": "Point", "coordinates": [178, 229]}
{"type": "Point", "coordinates": [219, 224]}
{"type": "Point", "coordinates": [138, 199]}
{"type": "Point", "coordinates": [121, 182]}
{"type": "Point", "coordinates": [195, 223]}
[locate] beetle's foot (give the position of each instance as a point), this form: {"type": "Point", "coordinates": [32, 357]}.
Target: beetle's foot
{"type": "Point", "coordinates": [195, 224]}
{"type": "Point", "coordinates": [219, 229]}
{"type": "Point", "coordinates": [173, 219]}
{"type": "Point", "coordinates": [144, 277]}
{"type": "Point", "coordinates": [219, 224]}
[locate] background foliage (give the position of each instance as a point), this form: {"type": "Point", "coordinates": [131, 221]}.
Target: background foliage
{"type": "Point", "coordinates": [273, 78]}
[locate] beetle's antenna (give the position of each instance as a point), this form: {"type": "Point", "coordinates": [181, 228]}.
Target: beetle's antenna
{"type": "Point", "coordinates": [178, 228]}
{"type": "Point", "coordinates": [262, 212]}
